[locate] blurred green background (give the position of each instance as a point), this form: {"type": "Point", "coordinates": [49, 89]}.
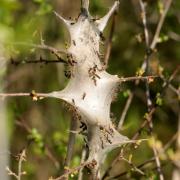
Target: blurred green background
{"type": "Point", "coordinates": [43, 126]}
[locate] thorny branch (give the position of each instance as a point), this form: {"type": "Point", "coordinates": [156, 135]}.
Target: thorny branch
{"type": "Point", "coordinates": [38, 96]}
{"type": "Point", "coordinates": [145, 66]}
{"type": "Point", "coordinates": [147, 70]}
{"type": "Point", "coordinates": [39, 61]}
{"type": "Point", "coordinates": [53, 50]}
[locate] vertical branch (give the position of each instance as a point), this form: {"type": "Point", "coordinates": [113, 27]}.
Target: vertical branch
{"type": "Point", "coordinates": [22, 157]}
{"type": "Point", "coordinates": [71, 141]}
{"type": "Point", "coordinates": [147, 70]}
{"type": "Point", "coordinates": [20, 173]}
{"type": "Point", "coordinates": [146, 34]}
{"type": "Point", "coordinates": [144, 21]}
{"type": "Point", "coordinates": [176, 172]}
{"type": "Point", "coordinates": [83, 158]}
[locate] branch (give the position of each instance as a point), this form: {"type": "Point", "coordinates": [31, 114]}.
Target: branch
{"type": "Point", "coordinates": [152, 159]}
{"type": "Point", "coordinates": [176, 174]}
{"type": "Point", "coordinates": [22, 157]}
{"type": "Point", "coordinates": [148, 119]}
{"type": "Point", "coordinates": [83, 158]}
{"type": "Point", "coordinates": [102, 23]}
{"type": "Point", "coordinates": [146, 62]}
{"type": "Point", "coordinates": [53, 50]}
{"type": "Point", "coordinates": [174, 36]}
{"type": "Point", "coordinates": [73, 170]}
{"type": "Point", "coordinates": [128, 103]}
{"type": "Point", "coordinates": [40, 61]}
{"type": "Point", "coordinates": [20, 173]}
{"type": "Point", "coordinates": [153, 44]}
{"type": "Point", "coordinates": [35, 96]}
{"type": "Point", "coordinates": [148, 78]}
{"type": "Point", "coordinates": [71, 141]}
{"type": "Point", "coordinates": [143, 16]}
{"type": "Point", "coordinates": [160, 24]}
{"type": "Point", "coordinates": [133, 166]}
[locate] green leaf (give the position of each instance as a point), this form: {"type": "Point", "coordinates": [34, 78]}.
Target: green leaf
{"type": "Point", "coordinates": [159, 100]}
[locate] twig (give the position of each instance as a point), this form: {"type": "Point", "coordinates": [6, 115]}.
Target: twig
{"type": "Point", "coordinates": [154, 42]}
{"type": "Point", "coordinates": [176, 174]}
{"type": "Point", "coordinates": [167, 82]}
{"type": "Point", "coordinates": [174, 36]}
{"type": "Point", "coordinates": [143, 16]}
{"type": "Point", "coordinates": [125, 110]}
{"type": "Point", "coordinates": [51, 157]}
{"type": "Point", "coordinates": [37, 95]}
{"type": "Point", "coordinates": [39, 61]}
{"type": "Point", "coordinates": [133, 166]}
{"type": "Point", "coordinates": [148, 78]}
{"type": "Point", "coordinates": [73, 170]}
{"type": "Point", "coordinates": [148, 119]}
{"type": "Point", "coordinates": [139, 166]}
{"type": "Point", "coordinates": [166, 146]}
{"type": "Point", "coordinates": [55, 51]}
{"type": "Point", "coordinates": [20, 173]}
{"type": "Point", "coordinates": [83, 158]}
{"type": "Point", "coordinates": [10, 173]}
{"type": "Point", "coordinates": [21, 159]}
{"type": "Point", "coordinates": [151, 47]}
{"type": "Point", "coordinates": [70, 146]}
{"type": "Point", "coordinates": [160, 24]}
